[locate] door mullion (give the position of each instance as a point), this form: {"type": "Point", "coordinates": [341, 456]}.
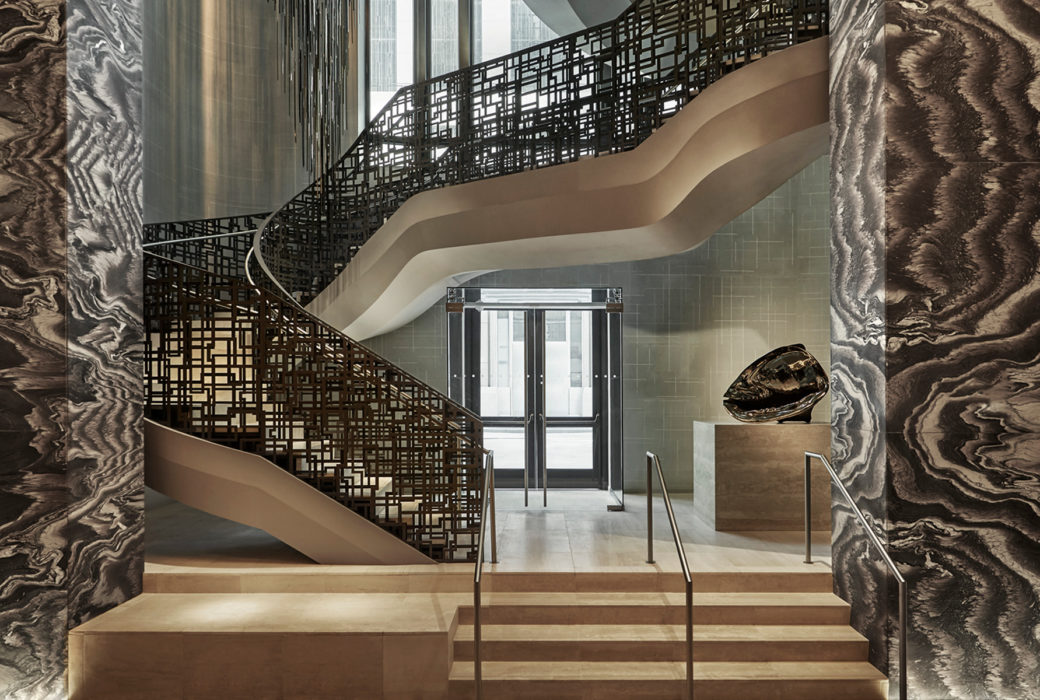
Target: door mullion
{"type": "Point", "coordinates": [540, 465]}
{"type": "Point", "coordinates": [530, 388]}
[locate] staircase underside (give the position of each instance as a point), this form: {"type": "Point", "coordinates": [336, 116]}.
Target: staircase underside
{"type": "Point", "coordinates": [739, 140]}
{"type": "Point", "coordinates": [248, 489]}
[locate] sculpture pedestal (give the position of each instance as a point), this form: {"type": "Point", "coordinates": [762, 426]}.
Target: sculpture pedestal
{"type": "Point", "coordinates": [750, 476]}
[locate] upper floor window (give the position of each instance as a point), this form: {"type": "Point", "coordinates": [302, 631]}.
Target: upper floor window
{"type": "Point", "coordinates": [444, 36]}
{"type": "Point", "coordinates": [392, 50]}
{"type": "Point", "coordinates": [501, 27]}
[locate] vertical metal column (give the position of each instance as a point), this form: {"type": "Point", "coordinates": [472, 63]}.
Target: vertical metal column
{"type": "Point", "coordinates": [808, 509]}
{"type": "Point", "coordinates": [465, 33]}
{"type": "Point", "coordinates": [649, 509]}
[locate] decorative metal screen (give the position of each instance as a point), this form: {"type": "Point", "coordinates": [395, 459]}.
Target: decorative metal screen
{"type": "Point", "coordinates": [218, 245]}
{"type": "Point", "coordinates": [237, 365]}
{"type": "Point", "coordinates": [599, 91]}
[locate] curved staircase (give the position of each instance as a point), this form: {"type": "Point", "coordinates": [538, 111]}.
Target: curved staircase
{"type": "Point", "coordinates": [588, 147]}
{"type": "Point", "coordinates": [632, 139]}
{"type": "Point", "coordinates": [235, 365]}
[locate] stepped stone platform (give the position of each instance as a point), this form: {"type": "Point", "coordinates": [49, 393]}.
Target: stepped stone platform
{"type": "Point", "coordinates": [571, 611]}
{"type": "Point", "coordinates": [406, 632]}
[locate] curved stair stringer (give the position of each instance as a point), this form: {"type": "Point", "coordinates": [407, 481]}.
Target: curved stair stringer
{"type": "Point", "coordinates": [739, 140]}
{"type": "Point", "coordinates": [248, 489]}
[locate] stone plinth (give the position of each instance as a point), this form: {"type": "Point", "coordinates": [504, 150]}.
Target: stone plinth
{"type": "Point", "coordinates": [751, 476]}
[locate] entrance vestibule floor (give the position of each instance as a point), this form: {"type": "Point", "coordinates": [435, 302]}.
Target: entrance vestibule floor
{"type": "Point", "coordinates": [574, 533]}
{"type": "Point", "coordinates": [577, 533]}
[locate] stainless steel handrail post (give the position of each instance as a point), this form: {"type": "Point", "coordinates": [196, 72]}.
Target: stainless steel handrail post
{"type": "Point", "coordinates": [652, 461]}
{"type": "Point", "coordinates": [808, 509]}
{"type": "Point", "coordinates": [873, 538]}
{"type": "Point", "coordinates": [649, 508]}
{"type": "Point", "coordinates": [487, 499]}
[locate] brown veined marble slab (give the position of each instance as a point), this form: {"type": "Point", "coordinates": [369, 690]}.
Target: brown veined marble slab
{"type": "Point", "coordinates": [751, 476]}
{"type": "Point", "coordinates": [71, 515]}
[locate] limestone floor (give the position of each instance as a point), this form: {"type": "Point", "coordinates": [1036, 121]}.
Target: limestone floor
{"type": "Point", "coordinates": [574, 533]}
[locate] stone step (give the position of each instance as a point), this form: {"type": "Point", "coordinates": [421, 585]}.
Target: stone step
{"type": "Point", "coordinates": [662, 643]}
{"type": "Point", "coordinates": [811, 580]}
{"type": "Point", "coordinates": [659, 609]}
{"type": "Point", "coordinates": [606, 680]}
{"type": "Point", "coordinates": [459, 578]}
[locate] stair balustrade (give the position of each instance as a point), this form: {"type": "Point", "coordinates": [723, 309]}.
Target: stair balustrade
{"type": "Point", "coordinates": [875, 543]}
{"type": "Point", "coordinates": [243, 364]}
{"type": "Point", "coordinates": [240, 366]}
{"type": "Point", "coordinates": [599, 91]}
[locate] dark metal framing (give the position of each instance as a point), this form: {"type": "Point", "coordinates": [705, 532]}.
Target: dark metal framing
{"type": "Point", "coordinates": [241, 366]}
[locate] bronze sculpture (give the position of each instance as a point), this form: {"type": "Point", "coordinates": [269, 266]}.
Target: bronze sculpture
{"type": "Point", "coordinates": [782, 385]}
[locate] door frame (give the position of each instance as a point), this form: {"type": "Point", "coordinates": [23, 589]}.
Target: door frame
{"type": "Point", "coordinates": [464, 305]}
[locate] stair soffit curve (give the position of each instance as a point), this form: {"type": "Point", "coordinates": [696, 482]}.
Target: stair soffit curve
{"type": "Point", "coordinates": [741, 138]}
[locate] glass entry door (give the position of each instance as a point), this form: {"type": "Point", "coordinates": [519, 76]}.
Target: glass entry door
{"type": "Point", "coordinates": [539, 395]}
{"type": "Point", "coordinates": [542, 369]}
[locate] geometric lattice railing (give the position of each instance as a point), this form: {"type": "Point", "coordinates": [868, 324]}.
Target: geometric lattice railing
{"type": "Point", "coordinates": [218, 245]}
{"type": "Point", "coordinates": [600, 91]}
{"type": "Point", "coordinates": [240, 366]}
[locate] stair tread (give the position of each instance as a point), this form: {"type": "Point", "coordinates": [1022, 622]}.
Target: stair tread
{"type": "Point", "coordinates": [656, 581]}
{"type": "Point", "coordinates": [662, 598]}
{"type": "Point", "coordinates": [669, 670]}
{"type": "Point", "coordinates": [653, 633]}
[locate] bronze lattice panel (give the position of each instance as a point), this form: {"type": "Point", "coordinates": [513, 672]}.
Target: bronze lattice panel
{"type": "Point", "coordinates": [239, 366]}
{"type": "Point", "coordinates": [218, 245]}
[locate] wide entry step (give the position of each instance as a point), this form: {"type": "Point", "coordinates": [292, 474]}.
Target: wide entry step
{"type": "Point", "coordinates": [561, 680]}
{"type": "Point", "coordinates": [660, 609]}
{"type": "Point", "coordinates": [662, 643]}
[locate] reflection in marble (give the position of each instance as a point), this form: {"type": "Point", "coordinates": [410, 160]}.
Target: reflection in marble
{"type": "Point", "coordinates": [105, 443]}
{"type": "Point", "coordinates": [33, 411]}
{"type": "Point", "coordinates": [937, 395]}
{"type": "Point", "coordinates": [70, 511]}
{"type": "Point", "coordinates": [857, 308]}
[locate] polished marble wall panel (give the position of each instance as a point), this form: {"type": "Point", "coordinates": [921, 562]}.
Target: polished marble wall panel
{"type": "Point", "coordinates": [955, 452]}
{"type": "Point", "coordinates": [70, 325]}
{"type": "Point", "coordinates": [33, 406]}
{"type": "Point", "coordinates": [105, 335]}
{"type": "Point", "coordinates": [858, 387]}
{"type": "Point", "coordinates": [692, 321]}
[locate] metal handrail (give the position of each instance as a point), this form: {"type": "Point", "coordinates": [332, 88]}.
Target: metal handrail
{"type": "Point", "coordinates": [488, 499]}
{"type": "Point", "coordinates": [191, 239]}
{"type": "Point", "coordinates": [651, 461]}
{"type": "Point", "coordinates": [872, 536]}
